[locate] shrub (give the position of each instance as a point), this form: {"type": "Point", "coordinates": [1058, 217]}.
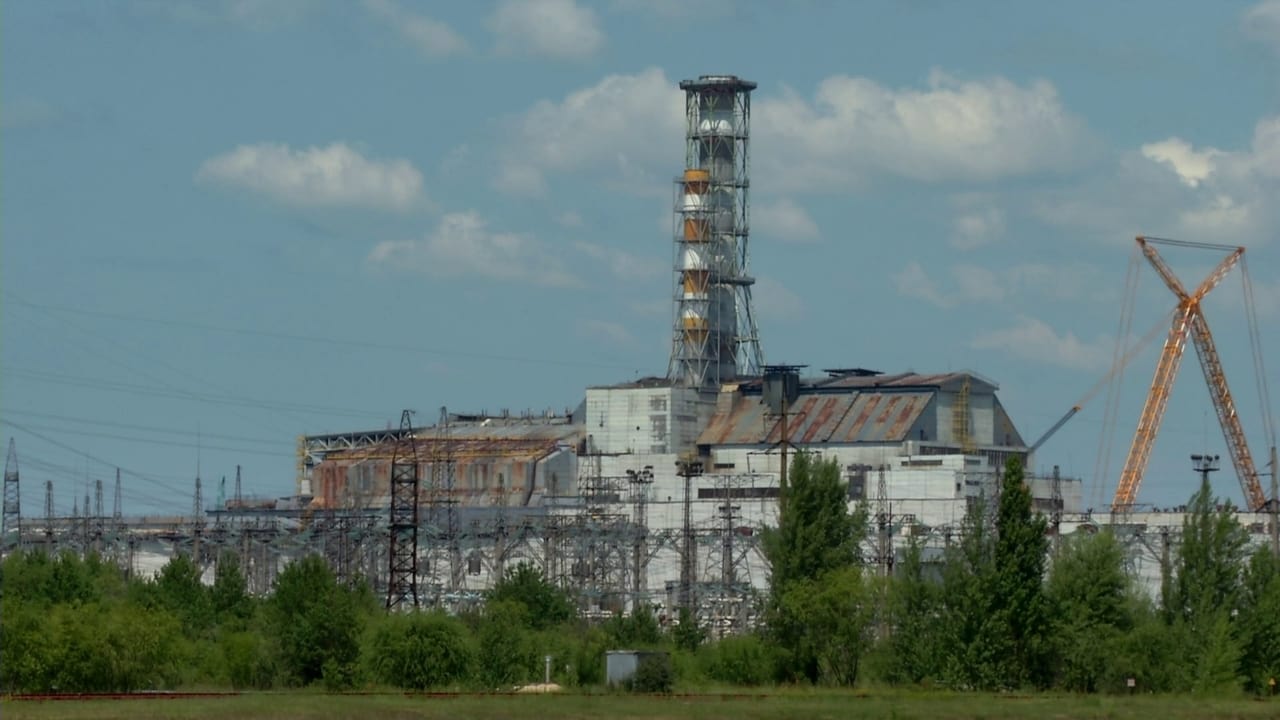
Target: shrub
{"type": "Point", "coordinates": [653, 674]}
{"type": "Point", "coordinates": [740, 660]}
{"type": "Point", "coordinates": [421, 651]}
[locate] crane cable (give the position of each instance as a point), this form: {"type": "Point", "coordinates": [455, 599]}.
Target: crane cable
{"type": "Point", "coordinates": [1255, 346]}
{"type": "Point", "coordinates": [1106, 436]}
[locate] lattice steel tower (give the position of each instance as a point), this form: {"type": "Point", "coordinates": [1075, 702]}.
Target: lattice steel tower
{"type": "Point", "coordinates": [11, 523]}
{"type": "Point", "coordinates": [714, 338]}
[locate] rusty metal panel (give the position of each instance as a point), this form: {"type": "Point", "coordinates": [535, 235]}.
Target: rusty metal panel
{"type": "Point", "coordinates": [881, 417]}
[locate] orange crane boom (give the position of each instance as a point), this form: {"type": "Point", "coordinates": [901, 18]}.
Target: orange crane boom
{"type": "Point", "coordinates": [1188, 319]}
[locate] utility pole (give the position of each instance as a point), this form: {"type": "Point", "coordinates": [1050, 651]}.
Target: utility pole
{"type": "Point", "coordinates": [12, 521]}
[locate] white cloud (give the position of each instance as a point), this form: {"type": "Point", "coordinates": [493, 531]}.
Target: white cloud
{"type": "Point", "coordinates": [1034, 340]}
{"type": "Point", "coordinates": [463, 245]}
{"type": "Point", "coordinates": [1262, 21]}
{"type": "Point", "coordinates": [914, 282]}
{"type": "Point", "coordinates": [976, 283]}
{"type": "Point", "coordinates": [335, 175]}
{"type": "Point", "coordinates": [773, 301]}
{"type": "Point", "coordinates": [551, 28]}
{"type": "Point", "coordinates": [1171, 188]}
{"type": "Point", "coordinates": [524, 180]}
{"type": "Point", "coordinates": [625, 126]}
{"type": "Point", "coordinates": [1191, 166]}
{"type": "Point", "coordinates": [629, 128]}
{"type": "Point", "coordinates": [783, 220]}
{"type": "Point", "coordinates": [612, 332]}
{"type": "Point", "coordinates": [569, 219]}
{"type": "Point", "coordinates": [855, 128]}
{"type": "Point", "coordinates": [258, 15]}
{"type": "Point", "coordinates": [431, 37]}
{"type": "Point", "coordinates": [677, 9]}
{"type": "Point", "coordinates": [621, 264]}
{"type": "Point", "coordinates": [974, 227]}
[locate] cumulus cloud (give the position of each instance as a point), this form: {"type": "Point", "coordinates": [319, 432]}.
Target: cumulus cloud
{"type": "Point", "coordinates": [550, 28]}
{"type": "Point", "coordinates": [621, 264]}
{"type": "Point", "coordinates": [783, 220]}
{"type": "Point", "coordinates": [612, 128]}
{"type": "Point", "coordinates": [970, 283]}
{"type": "Point", "coordinates": [1175, 189]}
{"type": "Point", "coordinates": [974, 227]}
{"type": "Point", "coordinates": [431, 37]}
{"type": "Point", "coordinates": [257, 15]}
{"type": "Point", "coordinates": [1262, 21]}
{"type": "Point", "coordinates": [852, 131]}
{"type": "Point", "coordinates": [668, 10]}
{"type": "Point", "coordinates": [952, 129]}
{"type": "Point", "coordinates": [334, 175]}
{"type": "Point", "coordinates": [1034, 340]}
{"type": "Point", "coordinates": [463, 245]}
{"type": "Point", "coordinates": [1191, 166]}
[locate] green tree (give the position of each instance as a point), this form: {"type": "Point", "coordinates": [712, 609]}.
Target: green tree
{"type": "Point", "coordinates": [318, 624]}
{"type": "Point", "coordinates": [816, 536]}
{"type": "Point", "coordinates": [178, 589]}
{"type": "Point", "coordinates": [913, 606]}
{"type": "Point", "coordinates": [1019, 599]}
{"type": "Point", "coordinates": [686, 634]}
{"type": "Point", "coordinates": [1202, 592]}
{"type": "Point", "coordinates": [1259, 621]}
{"type": "Point", "coordinates": [1090, 596]}
{"type": "Point", "coordinates": [230, 592]}
{"type": "Point", "coordinates": [418, 651]}
{"type": "Point", "coordinates": [546, 604]}
{"type": "Point", "coordinates": [506, 651]}
{"type": "Point", "coordinates": [829, 625]}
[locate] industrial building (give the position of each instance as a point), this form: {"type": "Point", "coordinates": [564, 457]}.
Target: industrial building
{"type": "Point", "coordinates": [655, 491]}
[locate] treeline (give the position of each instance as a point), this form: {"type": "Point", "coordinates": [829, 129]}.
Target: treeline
{"type": "Point", "coordinates": [1001, 612]}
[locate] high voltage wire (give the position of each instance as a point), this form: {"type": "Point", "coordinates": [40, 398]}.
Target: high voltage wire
{"type": "Point", "coordinates": [147, 428]}
{"type": "Point", "coordinates": [164, 443]}
{"type": "Point", "coordinates": [293, 337]}
{"type": "Point", "coordinates": [136, 389]}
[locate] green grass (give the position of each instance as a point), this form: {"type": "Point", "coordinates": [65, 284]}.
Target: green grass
{"type": "Point", "coordinates": [784, 704]}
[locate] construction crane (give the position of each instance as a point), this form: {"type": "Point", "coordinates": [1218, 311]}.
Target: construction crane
{"type": "Point", "coordinates": [1188, 320]}
{"type": "Point", "coordinates": [1116, 368]}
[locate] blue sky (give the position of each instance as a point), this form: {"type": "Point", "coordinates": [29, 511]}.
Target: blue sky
{"type": "Point", "coordinates": [228, 223]}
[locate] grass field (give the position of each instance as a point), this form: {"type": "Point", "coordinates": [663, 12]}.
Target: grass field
{"type": "Point", "coordinates": [788, 704]}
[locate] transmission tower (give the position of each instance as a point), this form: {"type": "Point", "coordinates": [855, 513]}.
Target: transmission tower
{"type": "Point", "coordinates": [402, 582]}
{"type": "Point", "coordinates": [197, 525]}
{"type": "Point", "coordinates": [99, 520]}
{"type": "Point", "coordinates": [12, 521]}
{"type": "Point", "coordinates": [640, 484]}
{"type": "Point", "coordinates": [688, 469]}
{"type": "Point", "coordinates": [48, 517]}
{"type": "Point", "coordinates": [117, 508]}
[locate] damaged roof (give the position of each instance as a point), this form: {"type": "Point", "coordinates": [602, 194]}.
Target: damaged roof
{"type": "Point", "coordinates": [848, 417]}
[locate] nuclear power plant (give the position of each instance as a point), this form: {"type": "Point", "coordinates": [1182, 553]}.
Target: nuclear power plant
{"type": "Point", "coordinates": [653, 492]}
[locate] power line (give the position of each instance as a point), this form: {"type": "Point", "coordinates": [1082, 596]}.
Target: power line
{"type": "Point", "coordinates": [136, 389]}
{"type": "Point", "coordinates": [293, 337]}
{"type": "Point", "coordinates": [129, 426]}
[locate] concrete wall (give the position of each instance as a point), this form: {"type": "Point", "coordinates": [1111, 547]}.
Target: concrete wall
{"type": "Point", "coordinates": [646, 419]}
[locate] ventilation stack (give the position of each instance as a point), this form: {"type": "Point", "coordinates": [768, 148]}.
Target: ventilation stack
{"type": "Point", "coordinates": [715, 338]}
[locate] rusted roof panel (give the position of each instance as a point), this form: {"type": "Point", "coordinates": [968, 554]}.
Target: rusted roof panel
{"type": "Point", "coordinates": [854, 417]}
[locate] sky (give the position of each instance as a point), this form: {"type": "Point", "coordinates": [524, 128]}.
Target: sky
{"type": "Point", "coordinates": [227, 223]}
